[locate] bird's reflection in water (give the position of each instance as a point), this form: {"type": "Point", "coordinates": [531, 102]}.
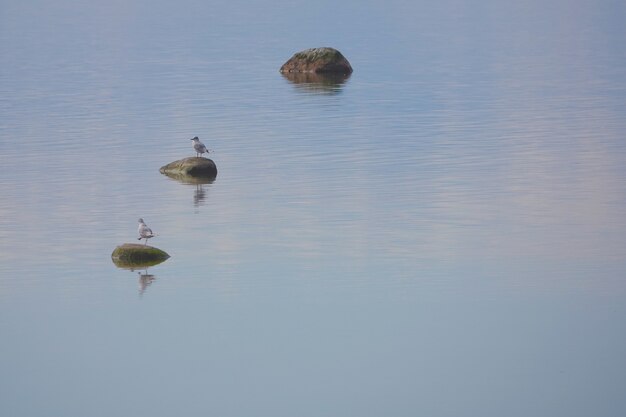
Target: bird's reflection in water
{"type": "Point", "coordinates": [141, 268]}
{"type": "Point", "coordinates": [317, 83]}
{"type": "Point", "coordinates": [145, 280]}
{"type": "Point", "coordinates": [199, 196]}
{"type": "Point", "coordinates": [202, 185]}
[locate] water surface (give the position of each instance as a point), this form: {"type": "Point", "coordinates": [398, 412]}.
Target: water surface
{"type": "Point", "coordinates": [442, 233]}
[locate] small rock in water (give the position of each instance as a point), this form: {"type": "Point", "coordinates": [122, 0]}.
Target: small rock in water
{"type": "Point", "coordinates": [192, 166]}
{"type": "Point", "coordinates": [134, 255]}
{"type": "Point", "coordinates": [318, 60]}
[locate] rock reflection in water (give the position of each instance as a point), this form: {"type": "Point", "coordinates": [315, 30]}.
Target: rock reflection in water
{"type": "Point", "coordinates": [317, 83]}
{"type": "Point", "coordinates": [189, 179]}
{"type": "Point", "coordinates": [145, 279]}
{"type": "Point", "coordinates": [200, 192]}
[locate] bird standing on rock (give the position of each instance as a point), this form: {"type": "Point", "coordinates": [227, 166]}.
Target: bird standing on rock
{"type": "Point", "coordinates": [199, 147]}
{"type": "Point", "coordinates": [144, 231]}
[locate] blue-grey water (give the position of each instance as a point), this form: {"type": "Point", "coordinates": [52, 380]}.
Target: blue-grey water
{"type": "Point", "coordinates": [441, 234]}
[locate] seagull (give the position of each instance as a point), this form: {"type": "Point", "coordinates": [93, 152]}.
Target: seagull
{"type": "Point", "coordinates": [199, 147]}
{"type": "Point", "coordinates": [144, 231]}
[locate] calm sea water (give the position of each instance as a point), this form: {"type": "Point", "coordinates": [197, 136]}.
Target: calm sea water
{"type": "Point", "coordinates": [441, 234]}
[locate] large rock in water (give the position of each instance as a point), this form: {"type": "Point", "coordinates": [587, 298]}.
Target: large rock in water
{"type": "Point", "coordinates": [190, 167]}
{"type": "Point", "coordinates": [318, 60]}
{"type": "Point", "coordinates": [134, 255]}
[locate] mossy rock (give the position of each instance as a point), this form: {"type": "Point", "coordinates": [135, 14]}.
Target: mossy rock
{"type": "Point", "coordinates": [191, 167]}
{"type": "Point", "coordinates": [134, 255]}
{"type": "Point", "coordinates": [318, 60]}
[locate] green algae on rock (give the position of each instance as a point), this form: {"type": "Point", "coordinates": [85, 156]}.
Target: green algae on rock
{"type": "Point", "coordinates": [134, 255]}
{"type": "Point", "coordinates": [191, 167]}
{"type": "Point", "coordinates": [318, 60]}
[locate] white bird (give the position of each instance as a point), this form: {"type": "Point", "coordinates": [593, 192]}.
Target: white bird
{"type": "Point", "coordinates": [144, 231]}
{"type": "Point", "coordinates": [199, 147]}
